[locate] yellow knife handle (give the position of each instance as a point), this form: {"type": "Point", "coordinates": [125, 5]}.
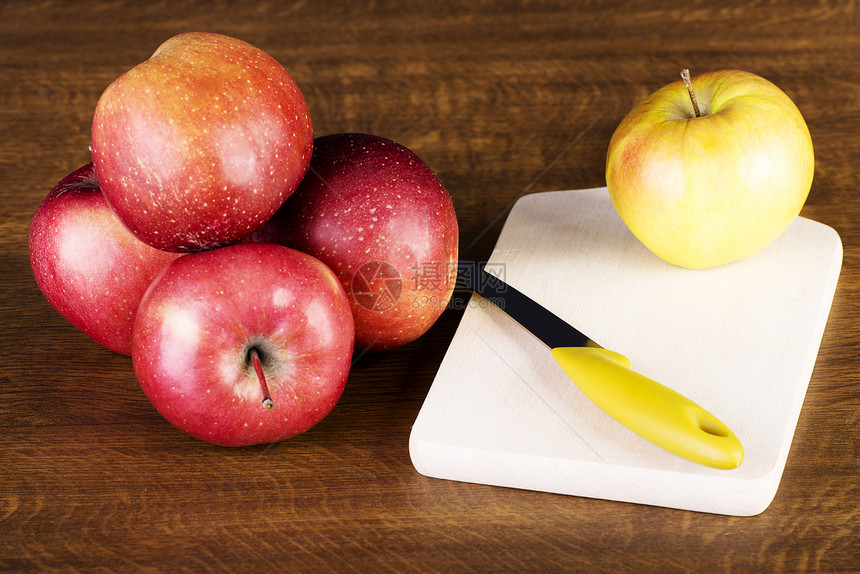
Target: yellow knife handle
{"type": "Point", "coordinates": [651, 410]}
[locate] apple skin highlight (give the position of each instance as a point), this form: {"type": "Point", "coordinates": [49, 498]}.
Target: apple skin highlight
{"type": "Point", "coordinates": [705, 191]}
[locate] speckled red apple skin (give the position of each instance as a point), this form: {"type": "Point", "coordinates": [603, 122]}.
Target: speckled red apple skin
{"type": "Point", "coordinates": [87, 264]}
{"type": "Point", "coordinates": [367, 198]}
{"type": "Point", "coordinates": [203, 313]}
{"type": "Point", "coordinates": [200, 144]}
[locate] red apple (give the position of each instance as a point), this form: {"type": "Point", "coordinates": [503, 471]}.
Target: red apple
{"type": "Point", "coordinates": [245, 344]}
{"type": "Point", "coordinates": [87, 264]}
{"type": "Point", "coordinates": [370, 209]}
{"type": "Point", "coordinates": [200, 144]}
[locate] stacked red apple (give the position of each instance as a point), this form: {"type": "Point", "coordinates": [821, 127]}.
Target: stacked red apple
{"type": "Point", "coordinates": [240, 262]}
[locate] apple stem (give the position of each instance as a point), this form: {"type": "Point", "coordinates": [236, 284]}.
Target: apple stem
{"type": "Point", "coordinates": [258, 368]}
{"type": "Point", "coordinates": [685, 75]}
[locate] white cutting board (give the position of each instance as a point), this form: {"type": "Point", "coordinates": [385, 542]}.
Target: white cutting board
{"type": "Point", "coordinates": [740, 340]}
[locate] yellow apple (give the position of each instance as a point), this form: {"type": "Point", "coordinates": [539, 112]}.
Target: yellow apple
{"type": "Point", "coordinates": [708, 188]}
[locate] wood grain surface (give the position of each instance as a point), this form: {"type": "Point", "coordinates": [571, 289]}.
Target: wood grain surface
{"type": "Point", "coordinates": [501, 99]}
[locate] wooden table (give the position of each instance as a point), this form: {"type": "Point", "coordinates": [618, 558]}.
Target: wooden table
{"type": "Point", "coordinates": [501, 102]}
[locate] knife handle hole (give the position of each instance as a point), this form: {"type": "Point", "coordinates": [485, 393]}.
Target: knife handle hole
{"type": "Point", "coordinates": [713, 427]}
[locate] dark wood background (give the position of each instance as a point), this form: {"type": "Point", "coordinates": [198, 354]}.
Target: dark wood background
{"type": "Point", "coordinates": [501, 99]}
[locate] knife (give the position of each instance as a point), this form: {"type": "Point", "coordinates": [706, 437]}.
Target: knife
{"type": "Point", "coordinates": [648, 408]}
